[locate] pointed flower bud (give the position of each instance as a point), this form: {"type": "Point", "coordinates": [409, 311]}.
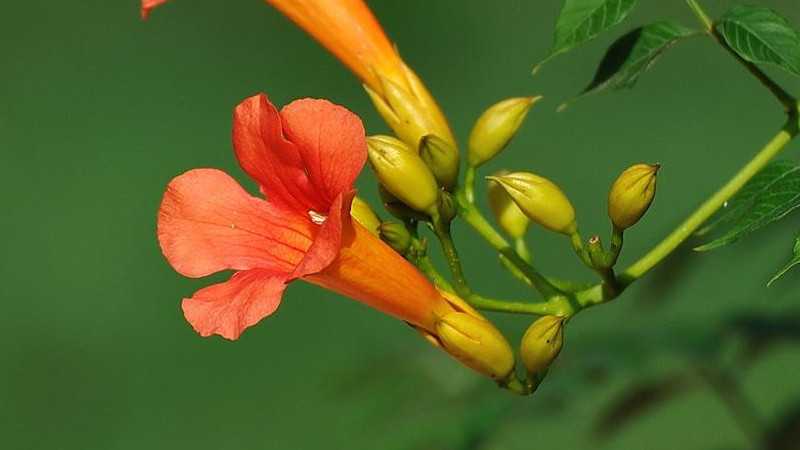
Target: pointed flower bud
{"type": "Point", "coordinates": [396, 235]}
{"type": "Point", "coordinates": [541, 343]}
{"type": "Point", "coordinates": [507, 214]}
{"type": "Point", "coordinates": [442, 158]}
{"type": "Point", "coordinates": [495, 127]}
{"type": "Point", "coordinates": [541, 200]}
{"type": "Point", "coordinates": [476, 343]}
{"type": "Point", "coordinates": [364, 215]}
{"type": "Point", "coordinates": [403, 173]}
{"type": "Point", "coordinates": [631, 195]}
{"type": "Point", "coordinates": [407, 116]}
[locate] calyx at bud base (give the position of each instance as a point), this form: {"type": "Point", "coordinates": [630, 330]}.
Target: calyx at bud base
{"type": "Point", "coordinates": [442, 158]}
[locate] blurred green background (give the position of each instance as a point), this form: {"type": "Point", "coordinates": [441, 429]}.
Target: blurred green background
{"type": "Point", "coordinates": [99, 110]}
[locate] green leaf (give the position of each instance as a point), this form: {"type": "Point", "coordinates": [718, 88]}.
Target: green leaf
{"type": "Point", "coordinates": [632, 54]}
{"type": "Point", "coordinates": [759, 35]}
{"type": "Point", "coordinates": [776, 195]}
{"type": "Point", "coordinates": [793, 262]}
{"type": "Point", "coordinates": [581, 20]}
{"type": "Point", "coordinates": [743, 200]}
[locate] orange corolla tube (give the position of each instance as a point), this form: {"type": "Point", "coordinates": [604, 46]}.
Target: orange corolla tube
{"type": "Point", "coordinates": [349, 30]}
{"type": "Point", "coordinates": [305, 159]}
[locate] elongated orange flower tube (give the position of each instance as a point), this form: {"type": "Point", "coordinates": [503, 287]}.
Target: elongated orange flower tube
{"type": "Point", "coordinates": [305, 158]}
{"type": "Point", "coordinates": [349, 30]}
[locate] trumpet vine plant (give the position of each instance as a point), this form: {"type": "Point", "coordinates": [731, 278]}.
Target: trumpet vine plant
{"type": "Point", "coordinates": [310, 225]}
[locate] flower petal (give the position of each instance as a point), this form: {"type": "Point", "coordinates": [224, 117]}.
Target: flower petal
{"type": "Point", "coordinates": [328, 241]}
{"type": "Point", "coordinates": [228, 308]}
{"type": "Point", "coordinates": [330, 140]}
{"type": "Point", "coordinates": [208, 223]}
{"type": "Point", "coordinates": [148, 5]}
{"type": "Point", "coordinates": [270, 159]}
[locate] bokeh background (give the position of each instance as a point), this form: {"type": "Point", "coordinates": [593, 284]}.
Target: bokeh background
{"type": "Point", "coordinates": [99, 110]}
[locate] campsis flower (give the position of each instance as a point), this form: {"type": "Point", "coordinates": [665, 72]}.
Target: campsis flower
{"type": "Point", "coordinates": [305, 159]}
{"type": "Point", "coordinates": [349, 30]}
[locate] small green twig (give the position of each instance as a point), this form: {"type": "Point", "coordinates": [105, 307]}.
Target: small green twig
{"type": "Point", "coordinates": [521, 247]}
{"type": "Point", "coordinates": [576, 241]}
{"type": "Point", "coordinates": [615, 248]}
{"type": "Point", "coordinates": [786, 99]}
{"type": "Point", "coordinates": [442, 231]}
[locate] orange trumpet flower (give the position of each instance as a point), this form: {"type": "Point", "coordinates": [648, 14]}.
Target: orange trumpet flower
{"type": "Point", "coordinates": [305, 159]}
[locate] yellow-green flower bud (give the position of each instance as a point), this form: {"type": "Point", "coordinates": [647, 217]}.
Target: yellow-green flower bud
{"type": "Point", "coordinates": [439, 125]}
{"type": "Point", "coordinates": [507, 214]}
{"type": "Point", "coordinates": [403, 173]}
{"type": "Point", "coordinates": [442, 158]}
{"type": "Point", "coordinates": [477, 344]}
{"type": "Point", "coordinates": [495, 127]}
{"type": "Point", "coordinates": [631, 195]}
{"type": "Point", "coordinates": [541, 200]}
{"type": "Point", "coordinates": [396, 235]}
{"type": "Point", "coordinates": [364, 215]}
{"type": "Point", "coordinates": [397, 208]}
{"type": "Point", "coordinates": [541, 343]}
{"type": "Point", "coordinates": [408, 116]}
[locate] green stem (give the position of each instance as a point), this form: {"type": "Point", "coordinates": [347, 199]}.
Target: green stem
{"type": "Point", "coordinates": [577, 245]}
{"type": "Point", "coordinates": [708, 24]}
{"type": "Point", "coordinates": [615, 248]}
{"type": "Point", "coordinates": [490, 304]}
{"type": "Point", "coordinates": [426, 266]}
{"type": "Point", "coordinates": [784, 97]}
{"type": "Point", "coordinates": [469, 184]}
{"type": "Point", "coordinates": [521, 247]}
{"type": "Point", "coordinates": [694, 221]}
{"type": "Point", "coordinates": [475, 219]}
{"type": "Point", "coordinates": [442, 231]}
